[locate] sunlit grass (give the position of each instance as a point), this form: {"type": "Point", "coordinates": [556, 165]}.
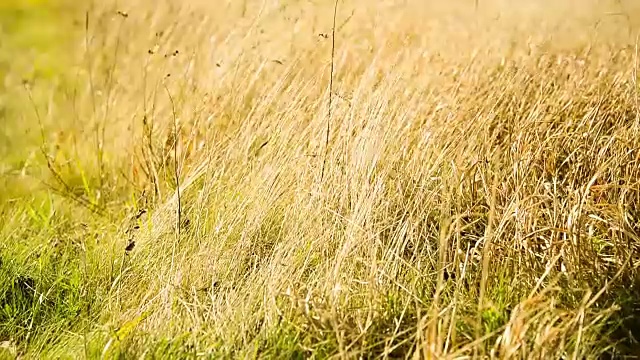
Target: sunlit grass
{"type": "Point", "coordinates": [479, 197]}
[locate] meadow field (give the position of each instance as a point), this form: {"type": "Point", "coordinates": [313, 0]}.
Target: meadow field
{"type": "Point", "coordinates": [288, 179]}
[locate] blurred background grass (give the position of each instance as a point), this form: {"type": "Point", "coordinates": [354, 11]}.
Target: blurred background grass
{"type": "Point", "coordinates": [35, 43]}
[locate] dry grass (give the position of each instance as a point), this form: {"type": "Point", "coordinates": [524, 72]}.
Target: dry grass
{"type": "Point", "coordinates": [480, 196]}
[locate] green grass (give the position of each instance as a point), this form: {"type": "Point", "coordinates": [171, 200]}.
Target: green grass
{"type": "Point", "coordinates": [47, 285]}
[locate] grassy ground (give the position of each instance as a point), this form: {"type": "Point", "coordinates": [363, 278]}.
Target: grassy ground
{"type": "Point", "coordinates": [168, 192]}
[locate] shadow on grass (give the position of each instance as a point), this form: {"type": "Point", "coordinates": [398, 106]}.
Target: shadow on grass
{"type": "Point", "coordinates": [625, 324]}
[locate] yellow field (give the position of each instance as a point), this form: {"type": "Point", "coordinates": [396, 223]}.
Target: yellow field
{"type": "Point", "coordinates": [188, 179]}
